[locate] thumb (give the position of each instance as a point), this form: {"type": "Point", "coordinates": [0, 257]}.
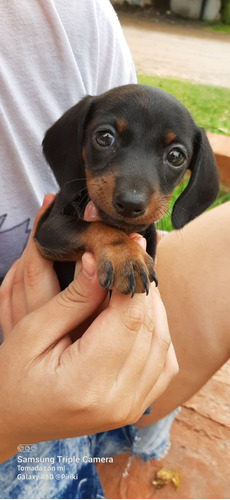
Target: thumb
{"type": "Point", "coordinates": [65, 311]}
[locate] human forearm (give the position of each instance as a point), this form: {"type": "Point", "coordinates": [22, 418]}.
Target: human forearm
{"type": "Point", "coordinates": [194, 280]}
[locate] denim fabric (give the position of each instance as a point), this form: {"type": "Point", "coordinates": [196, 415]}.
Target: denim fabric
{"type": "Point", "coordinates": [65, 468]}
{"type": "Point", "coordinates": [153, 441]}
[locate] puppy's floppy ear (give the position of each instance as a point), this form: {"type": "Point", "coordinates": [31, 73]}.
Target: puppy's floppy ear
{"type": "Point", "coordinates": [62, 144]}
{"type": "Point", "coordinates": [203, 184]}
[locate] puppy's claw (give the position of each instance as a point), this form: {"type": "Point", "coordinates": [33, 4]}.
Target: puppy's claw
{"type": "Point", "coordinates": [107, 284]}
{"type": "Point", "coordinates": [131, 284]}
{"type": "Point", "coordinates": [128, 274]}
{"type": "Point", "coordinates": [145, 281]}
{"type": "Point", "coordinates": [155, 278]}
{"type": "Point", "coordinates": [105, 275]}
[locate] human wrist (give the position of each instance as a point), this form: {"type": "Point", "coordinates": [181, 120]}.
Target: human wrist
{"type": "Point", "coordinates": [10, 434]}
{"type": "Point", "coordinates": [9, 444]}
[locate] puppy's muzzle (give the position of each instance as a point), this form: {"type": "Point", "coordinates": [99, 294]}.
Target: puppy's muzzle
{"type": "Point", "coordinates": [130, 203]}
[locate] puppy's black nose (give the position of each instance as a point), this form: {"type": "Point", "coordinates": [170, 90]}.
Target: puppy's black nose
{"type": "Point", "coordinates": [130, 203]}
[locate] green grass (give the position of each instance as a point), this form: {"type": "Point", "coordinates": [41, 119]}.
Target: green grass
{"type": "Point", "coordinates": [220, 27]}
{"type": "Point", "coordinates": [208, 105]}
{"type": "Point", "coordinates": [165, 223]}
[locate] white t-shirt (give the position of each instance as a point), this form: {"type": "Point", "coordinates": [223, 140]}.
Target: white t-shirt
{"type": "Point", "coordinates": [53, 52]}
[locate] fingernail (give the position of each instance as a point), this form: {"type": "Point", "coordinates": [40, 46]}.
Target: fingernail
{"type": "Point", "coordinates": [139, 239]}
{"type": "Point", "coordinates": [88, 265]}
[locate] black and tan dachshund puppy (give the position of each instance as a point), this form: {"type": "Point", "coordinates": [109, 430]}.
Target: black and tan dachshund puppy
{"type": "Point", "coordinates": [125, 150]}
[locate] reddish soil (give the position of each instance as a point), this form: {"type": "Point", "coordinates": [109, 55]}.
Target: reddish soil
{"type": "Point", "coordinates": [200, 452]}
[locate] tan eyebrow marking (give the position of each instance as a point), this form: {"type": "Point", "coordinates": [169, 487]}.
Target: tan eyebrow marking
{"type": "Point", "coordinates": [170, 137]}
{"type": "Point", "coordinates": [121, 125]}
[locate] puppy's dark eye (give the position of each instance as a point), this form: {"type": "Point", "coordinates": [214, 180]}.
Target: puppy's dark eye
{"type": "Point", "coordinates": [105, 138]}
{"type": "Point", "coordinates": [176, 157]}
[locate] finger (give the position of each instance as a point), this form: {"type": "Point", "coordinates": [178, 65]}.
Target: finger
{"type": "Point", "coordinates": [6, 290]}
{"type": "Point", "coordinates": [35, 281]}
{"type": "Point", "coordinates": [150, 348]}
{"type": "Point", "coordinates": [146, 362]}
{"type": "Point", "coordinates": [87, 264]}
{"type": "Point", "coordinates": [65, 311]}
{"type": "Point", "coordinates": [170, 370]}
{"type": "Point", "coordinates": [139, 239]}
{"type": "Point", "coordinates": [47, 200]}
{"type": "Point", "coordinates": [160, 346]}
{"type": "Point", "coordinates": [18, 299]}
{"type": "Point", "coordinates": [161, 340]}
{"type": "Point", "coordinates": [78, 332]}
{"type": "Point", "coordinates": [159, 236]}
{"type": "Point", "coordinates": [111, 337]}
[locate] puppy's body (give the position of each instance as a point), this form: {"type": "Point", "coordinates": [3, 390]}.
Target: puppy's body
{"type": "Point", "coordinates": [125, 150]}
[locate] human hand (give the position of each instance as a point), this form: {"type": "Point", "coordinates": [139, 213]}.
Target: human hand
{"type": "Point", "coordinates": [32, 282]}
{"type": "Point", "coordinates": [105, 379]}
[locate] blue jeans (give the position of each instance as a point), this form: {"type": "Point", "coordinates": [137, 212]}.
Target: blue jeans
{"type": "Point", "coordinates": [65, 468]}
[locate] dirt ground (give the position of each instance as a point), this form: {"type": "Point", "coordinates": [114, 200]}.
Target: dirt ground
{"type": "Point", "coordinates": [199, 453]}
{"type": "Point", "coordinates": [177, 48]}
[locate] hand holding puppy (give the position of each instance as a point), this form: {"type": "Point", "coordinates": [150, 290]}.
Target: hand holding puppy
{"type": "Point", "coordinates": [107, 378]}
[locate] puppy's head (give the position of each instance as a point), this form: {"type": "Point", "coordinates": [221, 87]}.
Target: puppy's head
{"type": "Point", "coordinates": [132, 146]}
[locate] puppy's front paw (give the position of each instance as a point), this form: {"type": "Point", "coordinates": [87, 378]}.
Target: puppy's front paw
{"type": "Point", "coordinates": [126, 267]}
